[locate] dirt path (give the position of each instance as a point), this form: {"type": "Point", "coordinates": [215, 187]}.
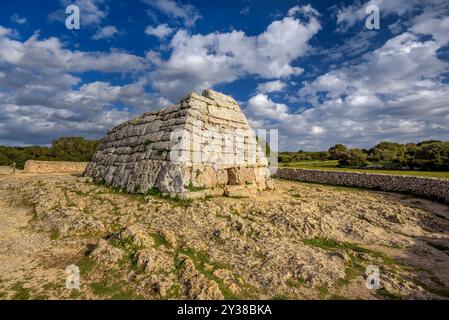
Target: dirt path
{"type": "Point", "coordinates": [24, 254]}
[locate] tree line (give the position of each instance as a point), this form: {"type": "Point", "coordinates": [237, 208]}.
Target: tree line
{"type": "Point", "coordinates": [62, 149]}
{"type": "Point", "coordinates": [426, 155]}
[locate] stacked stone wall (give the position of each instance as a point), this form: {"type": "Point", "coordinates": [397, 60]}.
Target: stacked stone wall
{"type": "Point", "coordinates": [33, 166]}
{"type": "Point", "coordinates": [431, 188]}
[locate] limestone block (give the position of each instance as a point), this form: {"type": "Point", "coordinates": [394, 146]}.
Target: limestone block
{"type": "Point", "coordinates": [205, 177]}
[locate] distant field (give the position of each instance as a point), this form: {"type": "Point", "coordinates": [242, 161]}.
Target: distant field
{"type": "Point", "coordinates": [332, 165]}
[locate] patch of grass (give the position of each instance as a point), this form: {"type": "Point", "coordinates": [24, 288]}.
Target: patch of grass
{"type": "Point", "coordinates": [236, 197]}
{"type": "Point", "coordinates": [80, 193]}
{"type": "Point", "coordinates": [2, 294]}
{"type": "Point", "coordinates": [333, 165]}
{"type": "Point", "coordinates": [147, 143]}
{"type": "Point", "coordinates": [174, 293]}
{"type": "Point", "coordinates": [280, 297]}
{"type": "Point", "coordinates": [159, 240]}
{"type": "Point", "coordinates": [21, 293]}
{"type": "Point", "coordinates": [154, 192]}
{"type": "Point", "coordinates": [323, 291]}
{"type": "Point", "coordinates": [295, 283]}
{"type": "Point", "coordinates": [114, 291]}
{"type": "Point", "coordinates": [201, 259]}
{"type": "Point", "coordinates": [129, 246]}
{"type": "Point", "coordinates": [209, 197]}
{"type": "Point", "coordinates": [347, 189]}
{"type": "Point", "coordinates": [295, 195]}
{"type": "Point", "coordinates": [190, 187]}
{"type": "Point", "coordinates": [26, 203]}
{"type": "Point", "coordinates": [356, 266]}
{"type": "Point", "coordinates": [52, 286]}
{"type": "Point", "coordinates": [86, 265]}
{"type": "Point", "coordinates": [342, 282]}
{"type": "Point", "coordinates": [54, 234]}
{"type": "Point", "coordinates": [174, 201]}
{"type": "Point", "coordinates": [179, 202]}
{"type": "Point", "coordinates": [385, 294]}
{"type": "Point", "coordinates": [75, 294]}
{"type": "Point", "coordinates": [261, 255]}
{"type": "Point", "coordinates": [69, 202]}
{"type": "Point", "coordinates": [333, 245]}
{"type": "Point", "coordinates": [87, 210]}
{"type": "Point", "coordinates": [250, 232]}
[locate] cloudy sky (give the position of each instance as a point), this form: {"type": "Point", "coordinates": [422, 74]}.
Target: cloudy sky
{"type": "Point", "coordinates": [309, 68]}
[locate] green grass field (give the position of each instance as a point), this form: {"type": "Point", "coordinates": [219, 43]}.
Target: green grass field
{"type": "Point", "coordinates": [332, 165]}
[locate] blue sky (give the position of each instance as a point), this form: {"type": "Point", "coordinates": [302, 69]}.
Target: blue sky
{"type": "Point", "coordinates": [308, 68]}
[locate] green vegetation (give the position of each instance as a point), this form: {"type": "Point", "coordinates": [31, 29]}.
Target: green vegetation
{"type": "Point", "coordinates": [154, 192]}
{"type": "Point", "coordinates": [384, 293]}
{"type": "Point", "coordinates": [190, 187]}
{"type": "Point", "coordinates": [301, 156]}
{"type": "Point", "coordinates": [159, 240]}
{"type": "Point", "coordinates": [430, 157]}
{"type": "Point", "coordinates": [174, 293]}
{"type": "Point", "coordinates": [332, 165]}
{"type": "Point", "coordinates": [333, 245]}
{"type": "Point", "coordinates": [295, 283]}
{"type": "Point", "coordinates": [129, 246]}
{"type": "Point", "coordinates": [323, 291]}
{"type": "Point", "coordinates": [356, 265]}
{"type": "Point", "coordinates": [207, 267]}
{"type": "Point", "coordinates": [54, 234]}
{"type": "Point", "coordinates": [21, 293]}
{"type": "Point", "coordinates": [62, 149]}
{"type": "Point", "coordinates": [86, 265]}
{"type": "Point", "coordinates": [114, 290]}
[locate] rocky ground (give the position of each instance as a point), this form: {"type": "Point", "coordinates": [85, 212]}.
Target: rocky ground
{"type": "Point", "coordinates": [301, 241]}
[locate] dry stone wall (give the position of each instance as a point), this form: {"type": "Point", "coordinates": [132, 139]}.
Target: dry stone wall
{"type": "Point", "coordinates": [431, 188]}
{"type": "Point", "coordinates": [204, 141]}
{"type": "Point", "coordinates": [33, 166]}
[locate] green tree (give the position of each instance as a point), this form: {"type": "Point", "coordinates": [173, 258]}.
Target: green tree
{"type": "Point", "coordinates": [354, 158]}
{"type": "Point", "coordinates": [338, 151]}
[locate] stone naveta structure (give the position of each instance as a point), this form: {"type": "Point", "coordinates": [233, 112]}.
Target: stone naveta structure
{"type": "Point", "coordinates": [202, 143]}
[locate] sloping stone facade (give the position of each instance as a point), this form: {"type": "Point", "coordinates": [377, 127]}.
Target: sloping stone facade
{"type": "Point", "coordinates": [203, 142]}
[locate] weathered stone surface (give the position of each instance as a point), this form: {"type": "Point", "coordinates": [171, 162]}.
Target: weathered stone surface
{"type": "Point", "coordinates": [204, 141]}
{"type": "Point", "coordinates": [196, 285]}
{"type": "Point", "coordinates": [34, 166]}
{"type": "Point", "coordinates": [106, 253]}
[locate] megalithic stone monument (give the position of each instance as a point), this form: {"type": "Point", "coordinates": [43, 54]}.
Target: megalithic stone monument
{"type": "Point", "coordinates": [202, 143]}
